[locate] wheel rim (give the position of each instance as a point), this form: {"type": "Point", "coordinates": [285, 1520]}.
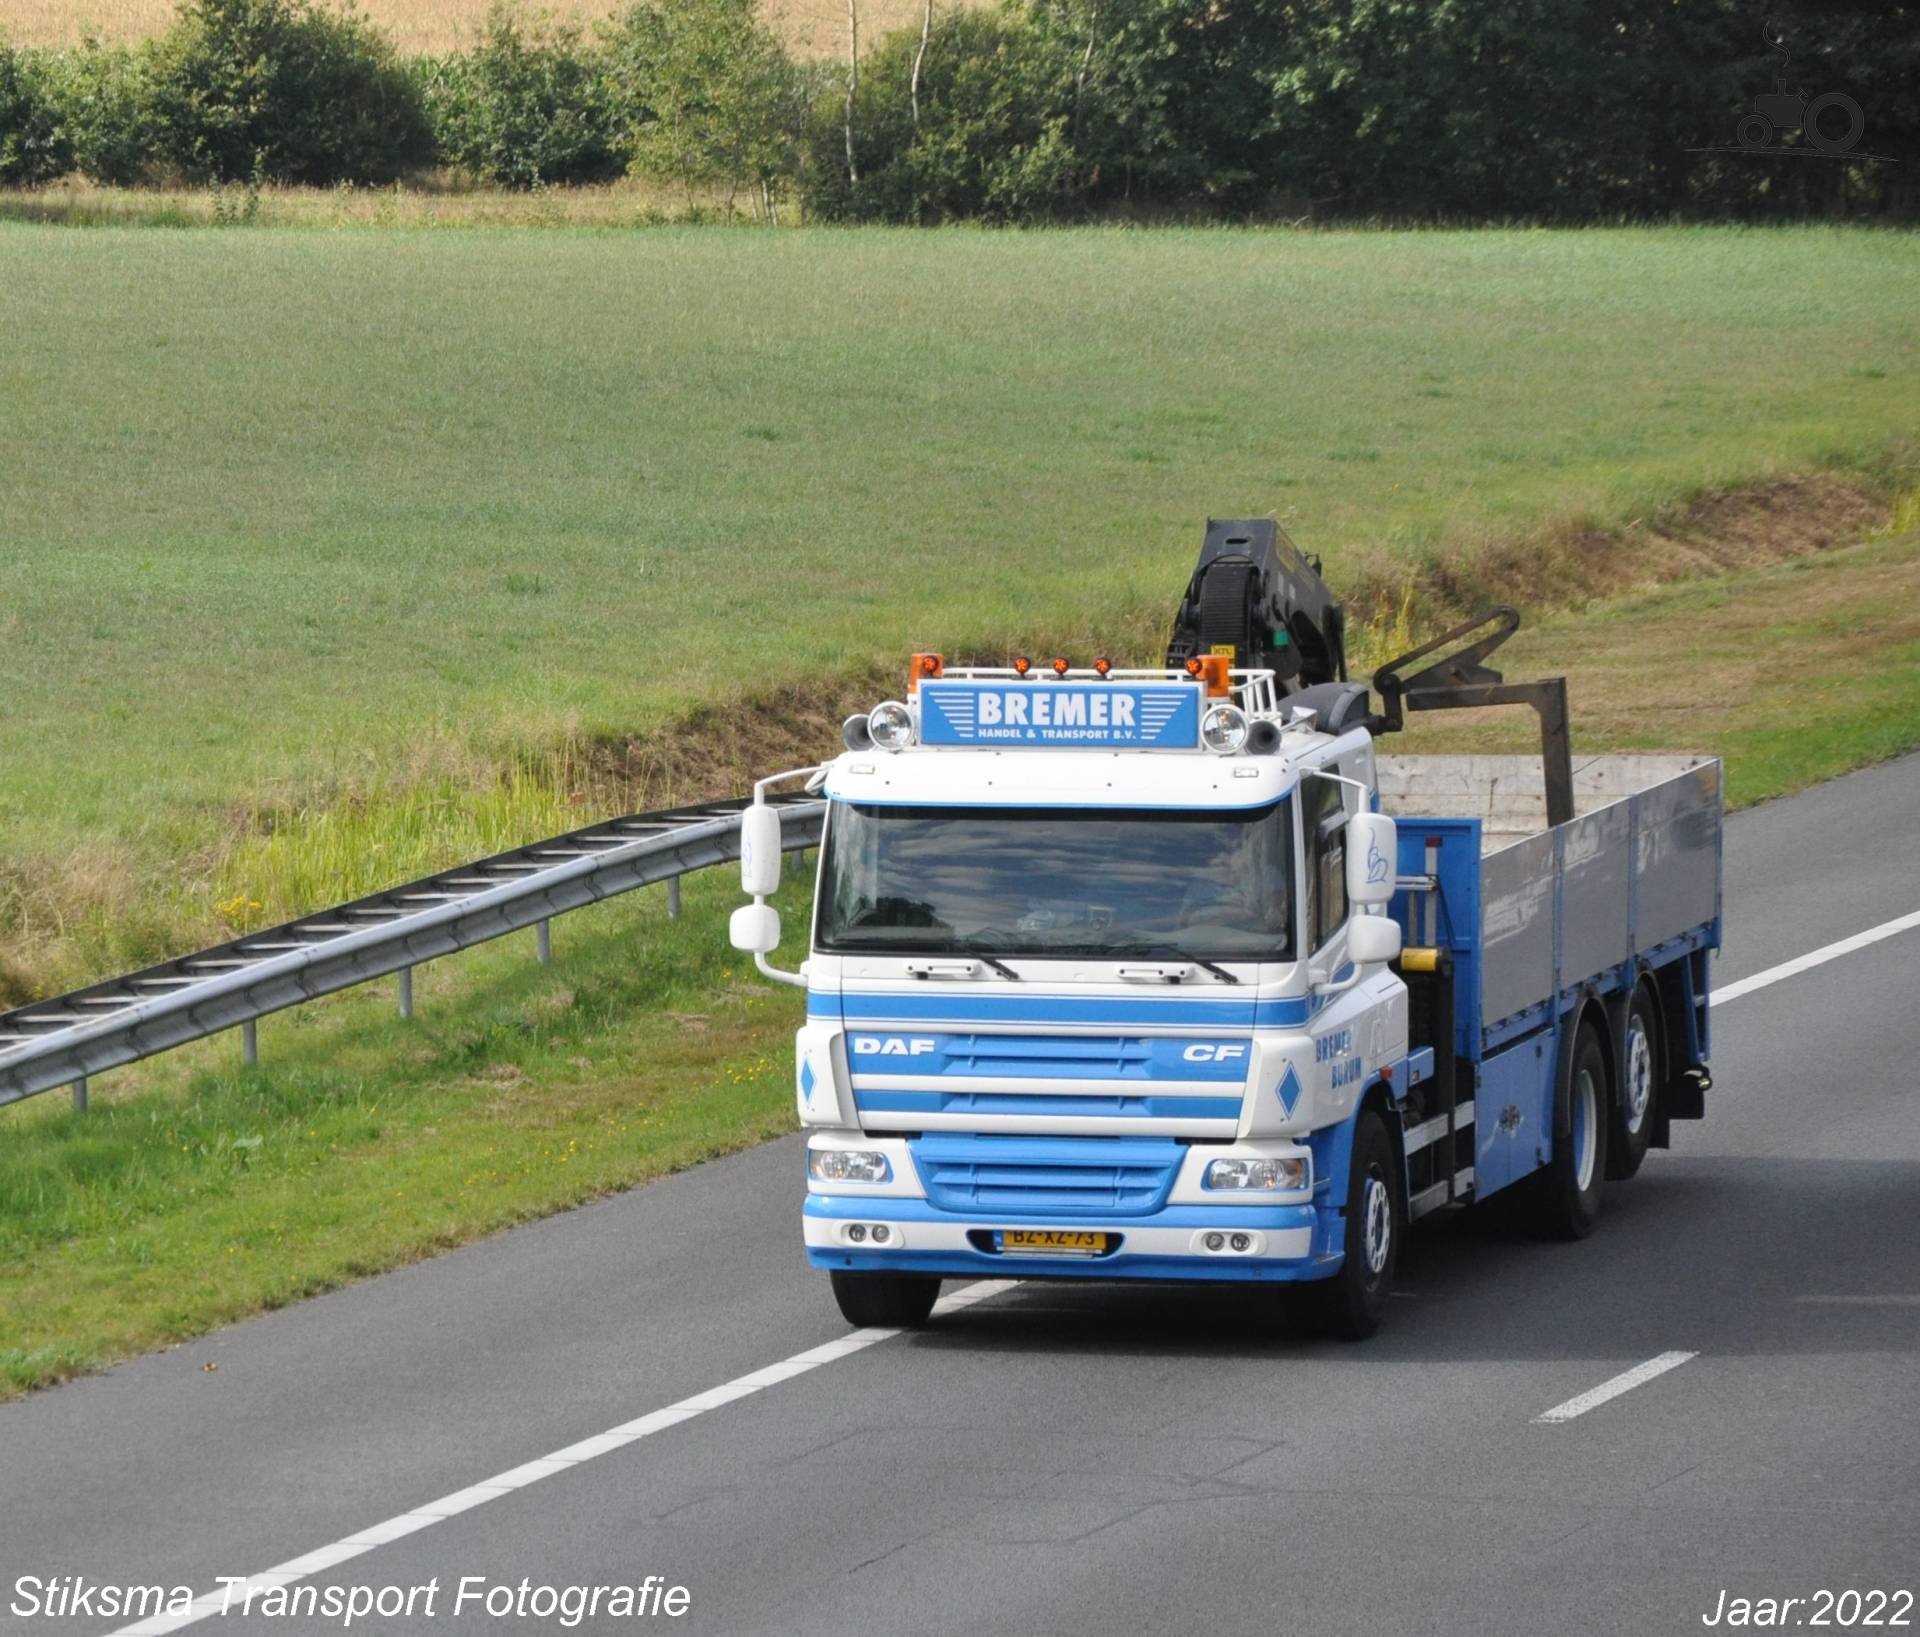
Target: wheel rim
{"type": "Point", "coordinates": [1639, 1076]}
{"type": "Point", "coordinates": [1586, 1104]}
{"type": "Point", "coordinates": [1379, 1224]}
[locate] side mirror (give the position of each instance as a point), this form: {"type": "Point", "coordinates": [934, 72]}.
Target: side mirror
{"type": "Point", "coordinates": [759, 852]}
{"type": "Point", "coordinates": [1372, 939]}
{"type": "Point", "coordinates": [755, 928]}
{"type": "Point", "coordinates": [1373, 854]}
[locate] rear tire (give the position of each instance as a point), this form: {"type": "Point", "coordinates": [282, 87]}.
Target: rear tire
{"type": "Point", "coordinates": [1563, 1196]}
{"type": "Point", "coordinates": [1352, 1303]}
{"type": "Point", "coordinates": [885, 1301]}
{"type": "Point", "coordinates": [1641, 1076]}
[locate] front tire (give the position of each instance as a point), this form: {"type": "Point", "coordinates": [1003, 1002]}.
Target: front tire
{"type": "Point", "coordinates": [885, 1301]}
{"type": "Point", "coordinates": [1563, 1196]}
{"type": "Point", "coordinates": [1352, 1303]}
{"type": "Point", "coordinates": [1641, 1076]}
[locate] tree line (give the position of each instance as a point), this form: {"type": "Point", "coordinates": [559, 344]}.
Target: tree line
{"type": "Point", "coordinates": [1033, 110]}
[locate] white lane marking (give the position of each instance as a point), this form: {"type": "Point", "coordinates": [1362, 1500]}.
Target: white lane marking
{"type": "Point", "coordinates": [1895, 1300]}
{"type": "Point", "coordinates": [531, 1472]}
{"type": "Point", "coordinates": [1625, 1382]}
{"type": "Point", "coordinates": [1818, 957]}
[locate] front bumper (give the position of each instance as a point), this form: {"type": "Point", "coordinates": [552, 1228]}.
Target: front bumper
{"type": "Point", "coordinates": [1166, 1244]}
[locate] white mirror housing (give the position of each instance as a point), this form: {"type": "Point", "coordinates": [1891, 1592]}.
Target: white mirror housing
{"type": "Point", "coordinates": [759, 852]}
{"type": "Point", "coordinates": [1372, 939]}
{"type": "Point", "coordinates": [1373, 860]}
{"type": "Point", "coordinates": [755, 928]}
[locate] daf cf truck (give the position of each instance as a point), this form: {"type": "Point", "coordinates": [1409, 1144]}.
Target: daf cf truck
{"type": "Point", "coordinates": [1170, 974]}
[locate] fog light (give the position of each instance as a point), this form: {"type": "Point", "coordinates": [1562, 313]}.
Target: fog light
{"type": "Point", "coordinates": [1215, 1240]}
{"type": "Point", "coordinates": [881, 1233]}
{"type": "Point", "coordinates": [849, 1165]}
{"type": "Point", "coordinates": [1259, 1176]}
{"type": "Point", "coordinates": [1222, 729]}
{"type": "Point", "coordinates": [857, 1233]}
{"type": "Point", "coordinates": [1240, 1241]}
{"type": "Point", "coordinates": [891, 725]}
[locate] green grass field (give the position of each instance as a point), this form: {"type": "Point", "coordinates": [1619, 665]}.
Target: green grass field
{"type": "Point", "coordinates": [297, 515]}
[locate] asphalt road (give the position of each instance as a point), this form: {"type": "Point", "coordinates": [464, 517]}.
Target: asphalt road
{"type": "Point", "coordinates": [1059, 1459]}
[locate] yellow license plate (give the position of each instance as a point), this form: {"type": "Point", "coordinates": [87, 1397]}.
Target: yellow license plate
{"type": "Point", "coordinates": [1053, 1242]}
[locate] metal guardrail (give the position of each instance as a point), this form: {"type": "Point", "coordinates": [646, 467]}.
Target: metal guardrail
{"type": "Point", "coordinates": [62, 1041]}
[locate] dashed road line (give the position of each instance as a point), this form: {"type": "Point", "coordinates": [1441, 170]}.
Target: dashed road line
{"type": "Point", "coordinates": [231, 1593]}
{"type": "Point", "coordinates": [1625, 1382]}
{"type": "Point", "coordinates": [1817, 957]}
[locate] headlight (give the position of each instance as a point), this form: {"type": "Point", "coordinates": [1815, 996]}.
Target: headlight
{"type": "Point", "coordinates": [849, 1165]}
{"type": "Point", "coordinates": [1224, 729]}
{"type": "Point", "coordinates": [1288, 1176]}
{"type": "Point", "coordinates": [891, 725]}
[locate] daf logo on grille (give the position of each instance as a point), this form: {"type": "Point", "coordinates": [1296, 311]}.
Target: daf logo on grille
{"type": "Point", "coordinates": [893, 1045]}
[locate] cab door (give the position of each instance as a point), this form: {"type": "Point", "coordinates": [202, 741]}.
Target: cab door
{"type": "Point", "coordinates": [1354, 1031]}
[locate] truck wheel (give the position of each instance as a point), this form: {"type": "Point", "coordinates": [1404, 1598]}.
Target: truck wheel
{"type": "Point", "coordinates": [885, 1301]}
{"type": "Point", "coordinates": [1352, 1303]}
{"type": "Point", "coordinates": [1640, 1080]}
{"type": "Point", "coordinates": [1564, 1194]}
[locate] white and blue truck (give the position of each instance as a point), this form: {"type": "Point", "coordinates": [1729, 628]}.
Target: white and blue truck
{"type": "Point", "coordinates": [1125, 974]}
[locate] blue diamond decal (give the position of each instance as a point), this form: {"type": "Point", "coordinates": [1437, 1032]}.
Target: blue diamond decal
{"type": "Point", "coordinates": [806, 1080]}
{"type": "Point", "coordinates": [1288, 1091]}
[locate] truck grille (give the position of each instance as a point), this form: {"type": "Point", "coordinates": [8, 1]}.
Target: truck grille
{"type": "Point", "coordinates": [1033, 1176]}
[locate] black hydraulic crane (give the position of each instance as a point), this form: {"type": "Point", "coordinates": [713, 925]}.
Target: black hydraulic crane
{"type": "Point", "coordinates": [1258, 599]}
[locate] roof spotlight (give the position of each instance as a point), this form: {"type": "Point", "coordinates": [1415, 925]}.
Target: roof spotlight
{"type": "Point", "coordinates": [1102, 666]}
{"type": "Point", "coordinates": [1060, 667]}
{"type": "Point", "coordinates": [1021, 664]}
{"type": "Point", "coordinates": [891, 725]}
{"type": "Point", "coordinates": [1194, 667]}
{"type": "Point", "coordinates": [1222, 730]}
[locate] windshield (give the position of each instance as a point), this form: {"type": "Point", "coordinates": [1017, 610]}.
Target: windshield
{"type": "Point", "coordinates": [995, 881]}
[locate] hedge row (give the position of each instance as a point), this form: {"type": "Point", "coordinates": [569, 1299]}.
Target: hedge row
{"type": "Point", "coordinates": [1041, 109]}
{"type": "Point", "coordinates": [697, 91]}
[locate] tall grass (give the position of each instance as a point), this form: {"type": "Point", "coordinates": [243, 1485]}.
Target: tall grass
{"type": "Point", "coordinates": [309, 854]}
{"type": "Point", "coordinates": [107, 905]}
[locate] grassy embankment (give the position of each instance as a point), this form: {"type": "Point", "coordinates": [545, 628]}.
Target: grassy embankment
{"type": "Point", "coordinates": [309, 537]}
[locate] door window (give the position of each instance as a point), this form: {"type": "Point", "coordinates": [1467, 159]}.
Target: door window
{"type": "Point", "coordinates": [1323, 828]}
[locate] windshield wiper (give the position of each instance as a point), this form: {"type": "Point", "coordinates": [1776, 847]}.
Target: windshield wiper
{"type": "Point", "coordinates": [1148, 952]}
{"type": "Point", "coordinates": [980, 955]}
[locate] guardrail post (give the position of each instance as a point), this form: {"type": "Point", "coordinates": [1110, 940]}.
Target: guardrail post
{"type": "Point", "coordinates": [543, 942]}
{"type": "Point", "coordinates": [406, 991]}
{"type": "Point", "coordinates": [80, 1095]}
{"type": "Point", "coordinates": [250, 1041]}
{"type": "Point", "coordinates": [673, 898]}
